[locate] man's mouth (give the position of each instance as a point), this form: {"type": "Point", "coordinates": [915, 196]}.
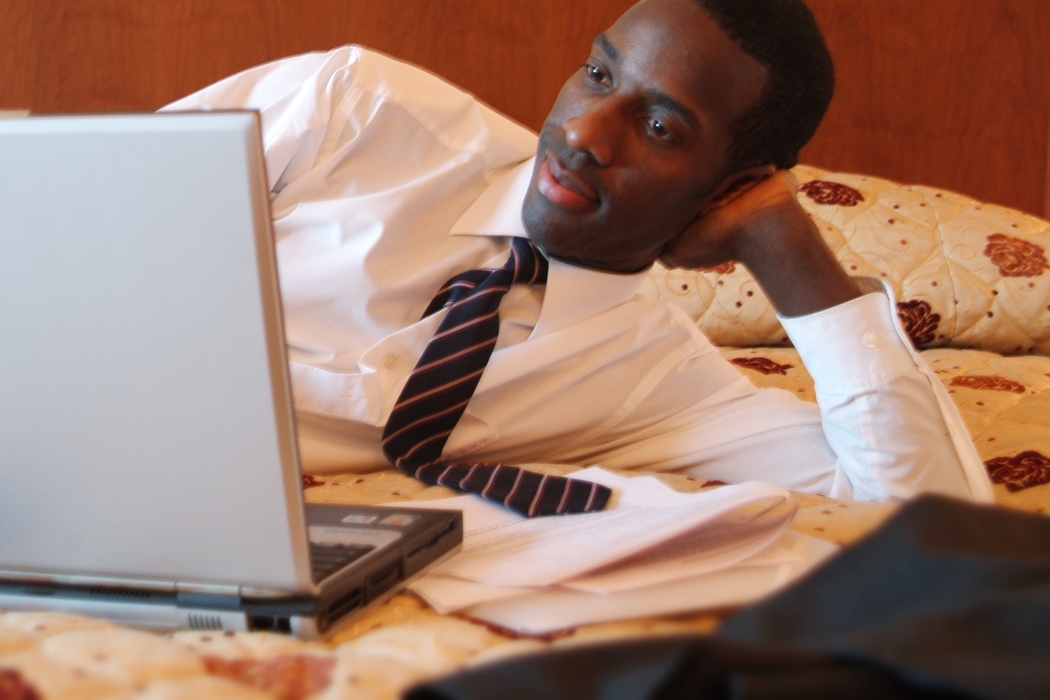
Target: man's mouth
{"type": "Point", "coordinates": [562, 188]}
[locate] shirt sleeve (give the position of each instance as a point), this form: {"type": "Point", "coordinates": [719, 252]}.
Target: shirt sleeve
{"type": "Point", "coordinates": [883, 426]}
{"type": "Point", "coordinates": [893, 427]}
{"type": "Point", "coordinates": [295, 98]}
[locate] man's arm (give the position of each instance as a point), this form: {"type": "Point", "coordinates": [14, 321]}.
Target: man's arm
{"type": "Point", "coordinates": [893, 428]}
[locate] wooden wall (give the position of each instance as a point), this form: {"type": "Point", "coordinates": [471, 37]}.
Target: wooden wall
{"type": "Point", "coordinates": [953, 93]}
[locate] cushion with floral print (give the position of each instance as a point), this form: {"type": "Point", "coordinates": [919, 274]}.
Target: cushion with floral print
{"type": "Point", "coordinates": [966, 274]}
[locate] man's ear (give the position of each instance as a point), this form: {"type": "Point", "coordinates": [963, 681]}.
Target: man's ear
{"type": "Point", "coordinates": [735, 185]}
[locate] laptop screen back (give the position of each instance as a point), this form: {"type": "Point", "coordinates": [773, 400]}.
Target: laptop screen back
{"type": "Point", "coordinates": [145, 423]}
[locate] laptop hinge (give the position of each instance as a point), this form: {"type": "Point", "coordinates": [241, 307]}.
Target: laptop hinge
{"type": "Point", "coordinates": [81, 580]}
{"type": "Point", "coordinates": [208, 588]}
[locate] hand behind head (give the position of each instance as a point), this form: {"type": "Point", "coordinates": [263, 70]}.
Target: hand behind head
{"type": "Point", "coordinates": [752, 203]}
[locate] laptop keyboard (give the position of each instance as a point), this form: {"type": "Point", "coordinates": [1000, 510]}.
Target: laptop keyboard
{"type": "Point", "coordinates": [326, 560]}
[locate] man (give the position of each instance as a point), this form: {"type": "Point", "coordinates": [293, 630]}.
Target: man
{"type": "Point", "coordinates": [665, 144]}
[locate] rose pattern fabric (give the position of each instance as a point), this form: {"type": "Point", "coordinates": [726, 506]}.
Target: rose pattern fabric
{"type": "Point", "coordinates": [309, 481]}
{"type": "Point", "coordinates": [762, 364]}
{"type": "Point", "coordinates": [919, 321]}
{"type": "Point", "coordinates": [721, 269]}
{"type": "Point", "coordinates": [992, 382]}
{"type": "Point", "coordinates": [1022, 471]}
{"type": "Point", "coordinates": [287, 677]}
{"type": "Point", "coordinates": [1015, 257]}
{"type": "Point", "coordinates": [826, 192]}
{"type": "Point", "coordinates": [14, 687]}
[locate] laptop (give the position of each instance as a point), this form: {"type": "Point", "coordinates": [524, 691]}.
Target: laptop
{"type": "Point", "coordinates": [148, 463]}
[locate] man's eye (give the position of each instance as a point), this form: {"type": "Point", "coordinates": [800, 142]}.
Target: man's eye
{"type": "Point", "coordinates": [657, 129]}
{"type": "Point", "coordinates": [595, 74]}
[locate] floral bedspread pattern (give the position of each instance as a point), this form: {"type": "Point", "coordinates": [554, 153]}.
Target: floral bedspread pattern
{"type": "Point", "coordinates": [966, 274]}
{"type": "Point", "coordinates": [973, 285]}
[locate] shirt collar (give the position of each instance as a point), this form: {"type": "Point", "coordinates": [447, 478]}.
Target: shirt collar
{"type": "Point", "coordinates": [497, 212]}
{"type": "Point", "coordinates": [576, 293]}
{"type": "Point", "coordinates": [573, 293]}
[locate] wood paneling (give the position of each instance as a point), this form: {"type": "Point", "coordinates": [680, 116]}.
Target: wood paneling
{"type": "Point", "coordinates": [107, 55]}
{"type": "Point", "coordinates": [953, 93]}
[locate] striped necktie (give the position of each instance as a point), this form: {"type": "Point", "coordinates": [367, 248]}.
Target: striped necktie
{"type": "Point", "coordinates": [444, 379]}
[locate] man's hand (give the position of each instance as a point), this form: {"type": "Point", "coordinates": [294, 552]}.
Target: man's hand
{"type": "Point", "coordinates": [761, 224]}
{"type": "Point", "coordinates": [713, 238]}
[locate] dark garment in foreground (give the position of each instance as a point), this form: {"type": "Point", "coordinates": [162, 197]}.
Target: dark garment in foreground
{"type": "Point", "coordinates": [946, 600]}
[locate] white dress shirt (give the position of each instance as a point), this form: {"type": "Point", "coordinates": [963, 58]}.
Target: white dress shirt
{"type": "Point", "coordinates": [386, 181]}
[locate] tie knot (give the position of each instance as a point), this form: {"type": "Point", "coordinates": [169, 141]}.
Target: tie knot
{"type": "Point", "coordinates": [526, 264]}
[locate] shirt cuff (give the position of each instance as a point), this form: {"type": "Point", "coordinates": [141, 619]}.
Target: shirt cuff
{"type": "Point", "coordinates": [852, 346]}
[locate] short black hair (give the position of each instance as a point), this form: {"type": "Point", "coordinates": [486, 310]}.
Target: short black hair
{"type": "Point", "coordinates": [800, 78]}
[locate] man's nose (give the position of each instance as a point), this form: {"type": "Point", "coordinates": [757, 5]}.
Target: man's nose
{"type": "Point", "coordinates": [593, 130]}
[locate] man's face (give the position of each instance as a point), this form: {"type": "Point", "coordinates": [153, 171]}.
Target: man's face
{"type": "Point", "coordinates": [635, 146]}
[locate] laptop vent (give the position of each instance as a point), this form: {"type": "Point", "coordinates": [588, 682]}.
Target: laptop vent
{"type": "Point", "coordinates": [204, 622]}
{"type": "Point", "coordinates": [119, 593]}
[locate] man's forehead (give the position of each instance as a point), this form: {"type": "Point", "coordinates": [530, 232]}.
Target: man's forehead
{"type": "Point", "coordinates": [685, 54]}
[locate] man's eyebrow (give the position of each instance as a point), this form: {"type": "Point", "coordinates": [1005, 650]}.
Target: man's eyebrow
{"type": "Point", "coordinates": [607, 46]}
{"type": "Point", "coordinates": [672, 105]}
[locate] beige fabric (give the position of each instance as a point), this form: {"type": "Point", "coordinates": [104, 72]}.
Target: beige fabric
{"type": "Point", "coordinates": [124, 656]}
{"type": "Point", "coordinates": [14, 640]}
{"type": "Point", "coordinates": [43, 625]}
{"type": "Point", "coordinates": [53, 678]}
{"type": "Point", "coordinates": [260, 646]}
{"type": "Point", "coordinates": [200, 688]}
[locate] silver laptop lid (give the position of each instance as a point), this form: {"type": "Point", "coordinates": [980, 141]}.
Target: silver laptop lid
{"type": "Point", "coordinates": [146, 429]}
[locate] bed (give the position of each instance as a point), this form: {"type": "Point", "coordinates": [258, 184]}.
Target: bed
{"type": "Point", "coordinates": [973, 283]}
{"type": "Point", "coordinates": [972, 278]}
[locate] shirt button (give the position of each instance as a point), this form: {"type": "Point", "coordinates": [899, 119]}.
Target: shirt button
{"type": "Point", "coordinates": [871, 340]}
{"type": "Point", "coordinates": [390, 362]}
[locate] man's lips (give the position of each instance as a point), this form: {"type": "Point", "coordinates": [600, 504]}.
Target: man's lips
{"type": "Point", "coordinates": [562, 188]}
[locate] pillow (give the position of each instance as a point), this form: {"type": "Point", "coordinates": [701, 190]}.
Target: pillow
{"type": "Point", "coordinates": [966, 274]}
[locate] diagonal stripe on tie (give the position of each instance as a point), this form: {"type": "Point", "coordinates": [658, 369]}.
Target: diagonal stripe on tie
{"type": "Point", "coordinates": [443, 381]}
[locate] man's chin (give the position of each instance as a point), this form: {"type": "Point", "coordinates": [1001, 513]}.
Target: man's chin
{"type": "Point", "coordinates": [554, 248]}
{"type": "Point", "coordinates": [557, 232]}
{"type": "Point", "coordinates": [547, 227]}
